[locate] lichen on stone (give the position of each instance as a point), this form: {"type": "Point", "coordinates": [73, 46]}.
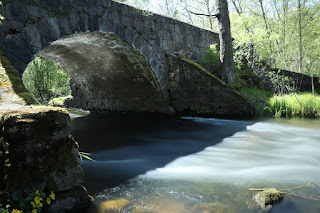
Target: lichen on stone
{"type": "Point", "coordinates": [202, 69]}
{"type": "Point", "coordinates": [11, 86]}
{"type": "Point", "coordinates": [267, 198]}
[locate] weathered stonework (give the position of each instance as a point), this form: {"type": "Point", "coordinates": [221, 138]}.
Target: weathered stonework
{"type": "Point", "coordinates": [43, 155]}
{"type": "Point", "coordinates": [121, 79]}
{"type": "Point", "coordinates": [110, 74]}
{"type": "Point", "coordinates": [32, 25]}
{"type": "Point", "coordinates": [196, 92]}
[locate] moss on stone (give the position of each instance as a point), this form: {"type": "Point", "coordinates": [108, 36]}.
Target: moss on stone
{"type": "Point", "coordinates": [267, 198]}
{"type": "Point", "coordinates": [33, 110]}
{"type": "Point", "coordinates": [217, 80]}
{"type": "Point", "coordinates": [202, 69]}
{"type": "Point", "coordinates": [58, 101]}
{"type": "Point", "coordinates": [11, 83]}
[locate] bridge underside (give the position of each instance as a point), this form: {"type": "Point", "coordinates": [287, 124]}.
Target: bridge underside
{"type": "Point", "coordinates": [108, 73]}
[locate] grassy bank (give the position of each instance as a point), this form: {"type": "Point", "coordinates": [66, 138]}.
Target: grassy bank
{"type": "Point", "coordinates": [295, 105]}
{"type": "Point", "coordinates": [268, 104]}
{"type": "Point", "coordinates": [259, 98]}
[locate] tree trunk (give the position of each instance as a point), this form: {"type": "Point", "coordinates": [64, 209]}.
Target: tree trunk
{"type": "Point", "coordinates": [300, 34]}
{"type": "Point", "coordinates": [207, 2]}
{"type": "Point", "coordinates": [226, 49]}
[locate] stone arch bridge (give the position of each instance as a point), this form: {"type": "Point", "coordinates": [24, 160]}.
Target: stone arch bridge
{"type": "Point", "coordinates": [119, 57]}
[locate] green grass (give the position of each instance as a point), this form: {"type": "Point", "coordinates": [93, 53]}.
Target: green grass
{"type": "Point", "coordinates": [259, 98]}
{"type": "Point", "coordinates": [295, 105]}
{"type": "Point", "coordinates": [268, 104]}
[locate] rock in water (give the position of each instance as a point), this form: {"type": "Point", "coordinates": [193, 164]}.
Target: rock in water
{"type": "Point", "coordinates": [267, 198]}
{"type": "Point", "coordinates": [114, 205]}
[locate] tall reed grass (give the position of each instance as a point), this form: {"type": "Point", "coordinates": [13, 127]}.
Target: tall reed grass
{"type": "Point", "coordinates": [268, 104]}
{"type": "Point", "coordinates": [295, 105]}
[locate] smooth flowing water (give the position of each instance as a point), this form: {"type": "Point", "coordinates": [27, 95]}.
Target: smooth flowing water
{"type": "Point", "coordinates": [156, 163]}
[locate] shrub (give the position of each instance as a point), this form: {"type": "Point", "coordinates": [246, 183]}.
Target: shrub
{"type": "Point", "coordinates": [58, 101]}
{"type": "Point", "coordinates": [210, 60]}
{"type": "Point", "coordinates": [259, 98]}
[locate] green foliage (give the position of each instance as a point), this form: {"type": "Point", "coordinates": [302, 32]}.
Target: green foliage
{"type": "Point", "coordinates": [295, 105]}
{"type": "Point", "coordinates": [29, 201]}
{"type": "Point", "coordinates": [58, 101]}
{"type": "Point", "coordinates": [85, 155]}
{"type": "Point", "coordinates": [259, 98]}
{"type": "Point", "coordinates": [46, 80]}
{"type": "Point", "coordinates": [282, 84]}
{"type": "Point", "coordinates": [246, 78]}
{"type": "Point", "coordinates": [1, 17]}
{"type": "Point", "coordinates": [285, 36]}
{"type": "Point", "coordinates": [289, 105]}
{"type": "Point", "coordinates": [210, 59]}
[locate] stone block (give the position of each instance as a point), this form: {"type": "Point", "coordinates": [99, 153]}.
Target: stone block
{"type": "Point", "coordinates": [15, 11]}
{"type": "Point", "coordinates": [194, 91]}
{"type": "Point", "coordinates": [36, 12]}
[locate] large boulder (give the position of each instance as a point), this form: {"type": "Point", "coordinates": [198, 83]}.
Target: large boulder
{"type": "Point", "coordinates": [42, 155]}
{"type": "Point", "coordinates": [194, 91]}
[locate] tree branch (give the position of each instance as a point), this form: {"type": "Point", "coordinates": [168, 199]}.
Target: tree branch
{"type": "Point", "coordinates": [203, 14]}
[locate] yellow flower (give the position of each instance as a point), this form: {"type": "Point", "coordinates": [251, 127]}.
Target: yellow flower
{"type": "Point", "coordinates": [37, 192]}
{"type": "Point", "coordinates": [16, 211]}
{"type": "Point", "coordinates": [40, 205]}
{"type": "Point", "coordinates": [34, 211]}
{"type": "Point", "coordinates": [37, 200]}
{"type": "Point", "coordinates": [52, 196]}
{"type": "Point", "coordinates": [33, 204]}
{"type": "Point", "coordinates": [48, 201]}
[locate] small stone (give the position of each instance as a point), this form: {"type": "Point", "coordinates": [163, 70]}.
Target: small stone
{"type": "Point", "coordinates": [267, 198]}
{"type": "Point", "coordinates": [114, 205]}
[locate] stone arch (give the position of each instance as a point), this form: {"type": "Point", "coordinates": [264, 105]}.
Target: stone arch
{"type": "Point", "coordinates": [108, 73]}
{"type": "Point", "coordinates": [171, 47]}
{"type": "Point", "coordinates": [32, 25]}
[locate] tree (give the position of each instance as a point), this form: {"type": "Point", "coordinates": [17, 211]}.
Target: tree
{"type": "Point", "coordinates": [226, 48]}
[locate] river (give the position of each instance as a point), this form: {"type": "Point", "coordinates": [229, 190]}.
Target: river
{"type": "Point", "coordinates": [147, 162]}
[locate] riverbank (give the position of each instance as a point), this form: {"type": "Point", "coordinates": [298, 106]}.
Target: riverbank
{"type": "Point", "coordinates": [290, 105]}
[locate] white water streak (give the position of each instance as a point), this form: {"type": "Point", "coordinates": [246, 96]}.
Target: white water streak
{"type": "Point", "coordinates": [265, 152]}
